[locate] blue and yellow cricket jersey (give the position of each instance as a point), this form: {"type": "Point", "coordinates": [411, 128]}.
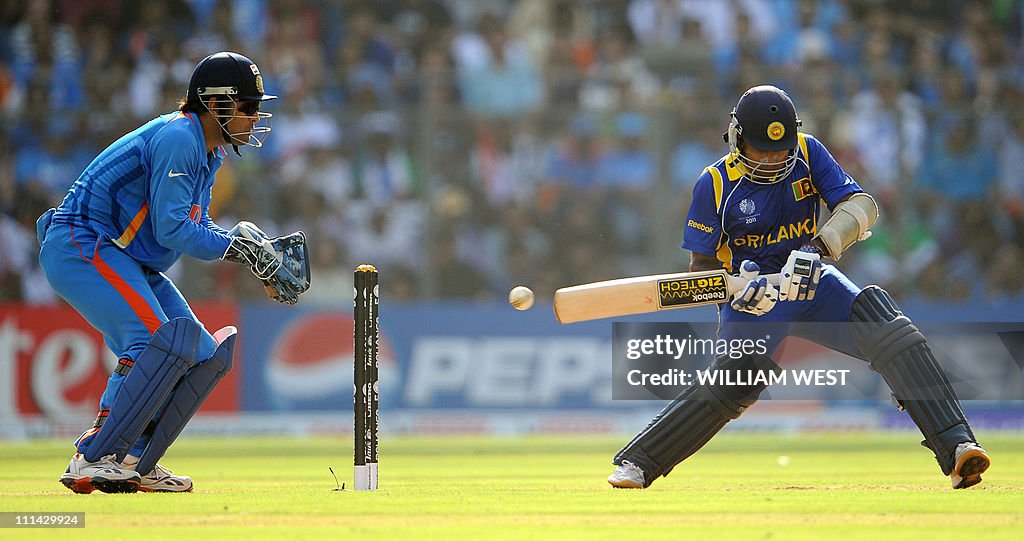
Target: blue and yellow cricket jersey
{"type": "Point", "coordinates": [734, 219]}
{"type": "Point", "coordinates": [149, 192]}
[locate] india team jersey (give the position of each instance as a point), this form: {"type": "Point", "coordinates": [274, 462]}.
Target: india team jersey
{"type": "Point", "coordinates": [149, 193]}
{"type": "Point", "coordinates": [734, 219]}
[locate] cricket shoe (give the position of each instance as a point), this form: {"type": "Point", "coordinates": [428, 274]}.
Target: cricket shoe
{"type": "Point", "coordinates": [160, 479]}
{"type": "Point", "coordinates": [105, 475]}
{"type": "Point", "coordinates": [970, 461]}
{"type": "Point", "coordinates": [627, 475]}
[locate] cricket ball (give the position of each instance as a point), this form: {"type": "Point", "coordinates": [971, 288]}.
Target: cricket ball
{"type": "Point", "coordinates": [521, 298]}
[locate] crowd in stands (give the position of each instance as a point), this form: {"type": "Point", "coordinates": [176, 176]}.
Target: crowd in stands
{"type": "Point", "coordinates": [465, 146]}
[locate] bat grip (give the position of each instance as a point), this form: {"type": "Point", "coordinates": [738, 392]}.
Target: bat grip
{"type": "Point", "coordinates": [737, 283]}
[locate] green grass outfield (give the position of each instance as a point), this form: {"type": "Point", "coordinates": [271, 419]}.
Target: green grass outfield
{"type": "Point", "coordinates": [834, 486]}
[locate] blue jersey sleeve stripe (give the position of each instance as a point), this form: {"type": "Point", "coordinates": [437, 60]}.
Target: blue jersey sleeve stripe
{"type": "Point", "coordinates": [115, 190]}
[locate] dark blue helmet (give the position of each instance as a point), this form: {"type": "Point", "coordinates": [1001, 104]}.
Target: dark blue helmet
{"type": "Point", "coordinates": [764, 119]}
{"type": "Point", "coordinates": [227, 74]}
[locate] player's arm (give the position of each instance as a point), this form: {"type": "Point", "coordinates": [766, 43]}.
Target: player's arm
{"type": "Point", "coordinates": [171, 195]}
{"type": "Point", "coordinates": [850, 222]}
{"type": "Point", "coordinates": [208, 222]}
{"type": "Point", "coordinates": [701, 262]}
{"type": "Point", "coordinates": [853, 214]}
{"type": "Point", "coordinates": [853, 211]}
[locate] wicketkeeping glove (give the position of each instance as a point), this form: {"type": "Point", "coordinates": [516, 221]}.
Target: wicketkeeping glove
{"type": "Point", "coordinates": [799, 276]}
{"type": "Point", "coordinates": [759, 296]}
{"type": "Point", "coordinates": [281, 263]}
{"type": "Point", "coordinates": [292, 278]}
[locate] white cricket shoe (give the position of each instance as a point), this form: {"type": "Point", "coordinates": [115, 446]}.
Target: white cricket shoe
{"type": "Point", "coordinates": [970, 461]}
{"type": "Point", "coordinates": [160, 479]}
{"type": "Point", "coordinates": [627, 475]}
{"type": "Point", "coordinates": [104, 475]}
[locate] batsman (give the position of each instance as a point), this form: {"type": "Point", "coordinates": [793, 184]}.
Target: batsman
{"type": "Point", "coordinates": [755, 211]}
{"type": "Point", "coordinates": [141, 204]}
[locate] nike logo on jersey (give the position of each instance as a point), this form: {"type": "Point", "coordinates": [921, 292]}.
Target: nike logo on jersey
{"type": "Point", "coordinates": [171, 173]}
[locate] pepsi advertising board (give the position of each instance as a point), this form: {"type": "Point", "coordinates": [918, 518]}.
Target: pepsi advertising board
{"type": "Point", "coordinates": [431, 356]}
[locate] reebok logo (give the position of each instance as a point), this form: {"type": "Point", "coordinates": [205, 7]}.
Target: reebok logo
{"type": "Point", "coordinates": [171, 173]}
{"type": "Point", "coordinates": [699, 226]}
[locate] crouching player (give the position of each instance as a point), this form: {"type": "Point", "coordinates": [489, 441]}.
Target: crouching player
{"type": "Point", "coordinates": [759, 205]}
{"type": "Point", "coordinates": [127, 218]}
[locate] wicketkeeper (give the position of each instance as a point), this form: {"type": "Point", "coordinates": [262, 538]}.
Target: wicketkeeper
{"type": "Point", "coordinates": [140, 205]}
{"type": "Point", "coordinates": [754, 211]}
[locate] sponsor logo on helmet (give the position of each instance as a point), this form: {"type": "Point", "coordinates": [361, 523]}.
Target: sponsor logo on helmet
{"type": "Point", "coordinates": [776, 131]}
{"type": "Point", "coordinates": [255, 70]}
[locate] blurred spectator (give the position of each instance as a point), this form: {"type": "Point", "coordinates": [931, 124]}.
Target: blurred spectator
{"type": "Point", "coordinates": [496, 76]}
{"type": "Point", "coordinates": [384, 171]}
{"type": "Point", "coordinates": [496, 116]}
{"type": "Point", "coordinates": [165, 68]}
{"type": "Point", "coordinates": [627, 172]}
{"type": "Point", "coordinates": [506, 162]}
{"type": "Point", "coordinates": [333, 272]}
{"type": "Point", "coordinates": [958, 166]}
{"type": "Point", "coordinates": [656, 22]}
{"type": "Point", "coordinates": [957, 184]}
{"type": "Point", "coordinates": [296, 59]}
{"type": "Point", "coordinates": [619, 78]}
{"type": "Point", "coordinates": [322, 169]}
{"type": "Point", "coordinates": [457, 278]}
{"type": "Point", "coordinates": [574, 162]}
{"type": "Point", "coordinates": [888, 129]}
{"type": "Point", "coordinates": [53, 166]}
{"type": "Point", "coordinates": [386, 235]}
{"type": "Point", "coordinates": [695, 151]}
{"type": "Point", "coordinates": [21, 278]}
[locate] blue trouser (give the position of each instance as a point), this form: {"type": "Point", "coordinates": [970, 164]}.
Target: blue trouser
{"type": "Point", "coordinates": [825, 320]}
{"type": "Point", "coordinates": [123, 300]}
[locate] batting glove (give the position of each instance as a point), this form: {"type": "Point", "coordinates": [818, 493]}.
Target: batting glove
{"type": "Point", "coordinates": [799, 276]}
{"type": "Point", "coordinates": [759, 296]}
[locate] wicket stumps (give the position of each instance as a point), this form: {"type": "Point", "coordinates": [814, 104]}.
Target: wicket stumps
{"type": "Point", "coordinates": [367, 397]}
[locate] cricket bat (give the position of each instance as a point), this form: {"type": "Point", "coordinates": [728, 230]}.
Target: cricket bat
{"type": "Point", "coordinates": [644, 294]}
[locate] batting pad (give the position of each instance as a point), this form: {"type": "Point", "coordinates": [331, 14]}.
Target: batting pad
{"type": "Point", "coordinates": [692, 419]}
{"type": "Point", "coordinates": [197, 384]}
{"type": "Point", "coordinates": [163, 362]}
{"type": "Point", "coordinates": [899, 352]}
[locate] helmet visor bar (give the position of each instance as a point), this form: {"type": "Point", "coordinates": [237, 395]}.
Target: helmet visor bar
{"type": "Point", "coordinates": [227, 110]}
{"type": "Point", "coordinates": [763, 172]}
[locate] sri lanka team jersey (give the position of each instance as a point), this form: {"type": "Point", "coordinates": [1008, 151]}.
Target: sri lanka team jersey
{"type": "Point", "coordinates": [149, 193]}
{"type": "Point", "coordinates": [733, 219]}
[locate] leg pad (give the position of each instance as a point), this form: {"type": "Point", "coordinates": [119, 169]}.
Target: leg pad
{"type": "Point", "coordinates": [899, 352]}
{"type": "Point", "coordinates": [692, 419]}
{"type": "Point", "coordinates": [188, 396]}
{"type": "Point", "coordinates": [169, 354]}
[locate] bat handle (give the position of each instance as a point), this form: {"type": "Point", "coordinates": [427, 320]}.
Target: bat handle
{"type": "Point", "coordinates": [737, 283]}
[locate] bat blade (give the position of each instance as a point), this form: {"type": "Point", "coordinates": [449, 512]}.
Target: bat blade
{"type": "Point", "coordinates": [645, 294]}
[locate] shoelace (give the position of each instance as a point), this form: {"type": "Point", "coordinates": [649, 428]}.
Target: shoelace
{"type": "Point", "coordinates": [632, 467]}
{"type": "Point", "coordinates": [109, 461]}
{"type": "Point", "coordinates": [159, 472]}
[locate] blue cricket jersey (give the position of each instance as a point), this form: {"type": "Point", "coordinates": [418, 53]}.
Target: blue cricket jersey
{"type": "Point", "coordinates": [149, 193]}
{"type": "Point", "coordinates": [733, 219]}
